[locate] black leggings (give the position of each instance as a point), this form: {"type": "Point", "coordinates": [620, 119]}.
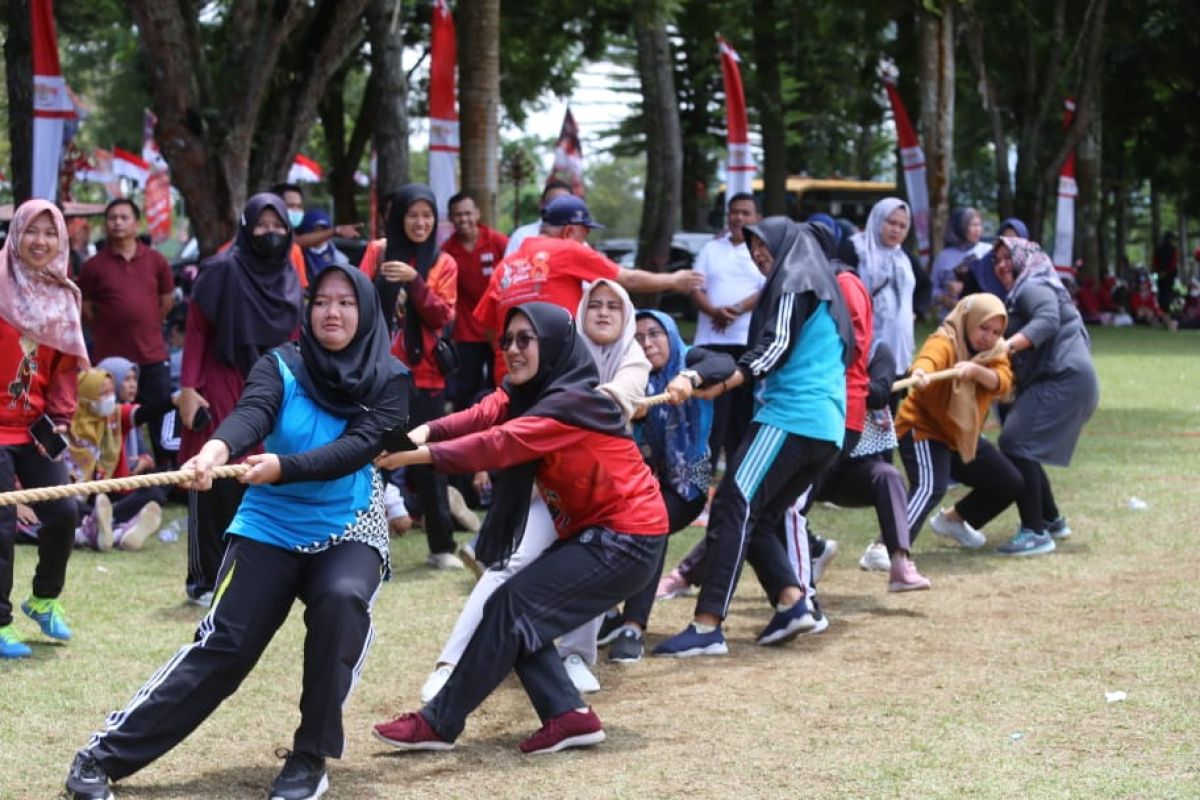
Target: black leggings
{"type": "Point", "coordinates": [426, 405]}
{"type": "Point", "coordinates": [680, 514]}
{"type": "Point", "coordinates": [1036, 504]}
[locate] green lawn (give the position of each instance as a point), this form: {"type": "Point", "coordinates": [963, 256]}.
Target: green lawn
{"type": "Point", "coordinates": [992, 685]}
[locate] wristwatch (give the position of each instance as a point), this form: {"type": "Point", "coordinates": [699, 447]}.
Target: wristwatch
{"type": "Point", "coordinates": [692, 376]}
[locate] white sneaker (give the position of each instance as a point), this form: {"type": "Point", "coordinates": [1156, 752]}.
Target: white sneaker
{"type": "Point", "coordinates": [875, 559]}
{"type": "Point", "coordinates": [958, 530]}
{"type": "Point", "coordinates": [822, 561]}
{"type": "Point", "coordinates": [102, 509]}
{"type": "Point", "coordinates": [434, 683]}
{"type": "Point", "coordinates": [580, 675]}
{"type": "Point", "coordinates": [135, 532]}
{"type": "Point", "coordinates": [444, 561]}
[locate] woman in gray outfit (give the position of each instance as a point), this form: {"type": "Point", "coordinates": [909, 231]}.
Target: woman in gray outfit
{"type": "Point", "coordinates": [1057, 391]}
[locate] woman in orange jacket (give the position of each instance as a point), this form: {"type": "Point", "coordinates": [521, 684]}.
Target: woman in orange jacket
{"type": "Point", "coordinates": [939, 424]}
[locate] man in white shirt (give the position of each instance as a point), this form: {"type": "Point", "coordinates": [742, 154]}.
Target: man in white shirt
{"type": "Point", "coordinates": [554, 189]}
{"type": "Point", "coordinates": [732, 285]}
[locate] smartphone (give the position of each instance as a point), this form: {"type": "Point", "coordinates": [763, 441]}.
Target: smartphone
{"type": "Point", "coordinates": [202, 419]}
{"type": "Point", "coordinates": [42, 431]}
{"type": "Point", "coordinates": [396, 441]}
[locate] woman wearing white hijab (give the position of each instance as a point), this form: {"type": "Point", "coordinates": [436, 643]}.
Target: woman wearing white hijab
{"type": "Point", "coordinates": [606, 318]}
{"type": "Point", "coordinates": [888, 275]}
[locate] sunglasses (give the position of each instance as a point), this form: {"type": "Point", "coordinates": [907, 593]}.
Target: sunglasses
{"type": "Point", "coordinates": [522, 339]}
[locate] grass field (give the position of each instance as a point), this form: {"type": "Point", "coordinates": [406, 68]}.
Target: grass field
{"type": "Point", "coordinates": [990, 686]}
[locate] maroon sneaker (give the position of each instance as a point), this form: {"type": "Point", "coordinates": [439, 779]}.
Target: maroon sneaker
{"type": "Point", "coordinates": [572, 729]}
{"type": "Point", "coordinates": [411, 732]}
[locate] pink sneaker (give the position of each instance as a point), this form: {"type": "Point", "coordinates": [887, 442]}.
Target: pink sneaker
{"type": "Point", "coordinates": [572, 729]}
{"type": "Point", "coordinates": [411, 732]}
{"type": "Point", "coordinates": [671, 585]}
{"type": "Point", "coordinates": [904, 577]}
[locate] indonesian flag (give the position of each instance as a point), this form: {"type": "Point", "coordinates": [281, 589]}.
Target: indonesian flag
{"type": "Point", "coordinates": [913, 159]}
{"type": "Point", "coordinates": [740, 168]}
{"type": "Point", "coordinates": [1064, 217]}
{"type": "Point", "coordinates": [52, 104]}
{"type": "Point", "coordinates": [127, 165]}
{"type": "Point", "coordinates": [568, 156]}
{"type": "Point", "coordinates": [304, 170]}
{"type": "Point", "coordinates": [98, 169]}
{"type": "Point", "coordinates": [443, 114]}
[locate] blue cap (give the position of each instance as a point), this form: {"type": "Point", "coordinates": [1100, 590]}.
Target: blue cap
{"type": "Point", "coordinates": [313, 219]}
{"type": "Point", "coordinates": [568, 210]}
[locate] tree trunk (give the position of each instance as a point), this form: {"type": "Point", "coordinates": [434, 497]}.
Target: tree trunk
{"type": "Point", "coordinates": [987, 90]}
{"type": "Point", "coordinates": [937, 116]}
{"type": "Point", "coordinates": [1155, 221]}
{"type": "Point", "coordinates": [18, 66]}
{"type": "Point", "coordinates": [1087, 174]}
{"type": "Point", "coordinates": [664, 147]}
{"type": "Point", "coordinates": [767, 46]}
{"type": "Point", "coordinates": [344, 155]}
{"type": "Point", "coordinates": [478, 24]}
{"type": "Point", "coordinates": [391, 99]}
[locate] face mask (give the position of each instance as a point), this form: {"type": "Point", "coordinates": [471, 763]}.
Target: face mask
{"type": "Point", "coordinates": [105, 405]}
{"type": "Point", "coordinates": [295, 217]}
{"type": "Point", "coordinates": [269, 245]}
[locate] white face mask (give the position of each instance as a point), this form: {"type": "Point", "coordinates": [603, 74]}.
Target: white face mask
{"type": "Point", "coordinates": [105, 405]}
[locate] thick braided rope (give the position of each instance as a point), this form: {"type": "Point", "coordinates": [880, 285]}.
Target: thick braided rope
{"type": "Point", "coordinates": [933, 377]}
{"type": "Point", "coordinates": [654, 400]}
{"type": "Point", "coordinates": [113, 485]}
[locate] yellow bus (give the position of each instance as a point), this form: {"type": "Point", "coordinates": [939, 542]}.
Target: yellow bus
{"type": "Point", "coordinates": [837, 197]}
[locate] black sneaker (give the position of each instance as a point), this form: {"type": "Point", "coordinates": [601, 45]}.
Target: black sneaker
{"type": "Point", "coordinates": [610, 627]}
{"type": "Point", "coordinates": [627, 647]}
{"type": "Point", "coordinates": [87, 780]}
{"type": "Point", "coordinates": [302, 777]}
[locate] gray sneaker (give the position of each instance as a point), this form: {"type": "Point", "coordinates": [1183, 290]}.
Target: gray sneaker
{"type": "Point", "coordinates": [628, 647]}
{"type": "Point", "coordinates": [1027, 543]}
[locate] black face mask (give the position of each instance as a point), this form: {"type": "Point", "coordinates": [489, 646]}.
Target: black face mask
{"type": "Point", "coordinates": [269, 245]}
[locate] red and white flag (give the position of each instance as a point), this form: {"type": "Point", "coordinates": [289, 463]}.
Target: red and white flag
{"type": "Point", "coordinates": [157, 202]}
{"type": "Point", "coordinates": [913, 159]}
{"type": "Point", "coordinates": [568, 156]}
{"type": "Point", "coordinates": [128, 165]}
{"type": "Point", "coordinates": [52, 104]}
{"type": "Point", "coordinates": [305, 170]}
{"type": "Point", "coordinates": [98, 169]}
{"type": "Point", "coordinates": [740, 168]}
{"type": "Point", "coordinates": [443, 114]}
{"type": "Point", "coordinates": [1064, 217]}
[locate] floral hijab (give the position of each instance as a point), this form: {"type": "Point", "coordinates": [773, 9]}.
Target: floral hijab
{"type": "Point", "coordinates": [1031, 265]}
{"type": "Point", "coordinates": [676, 435]}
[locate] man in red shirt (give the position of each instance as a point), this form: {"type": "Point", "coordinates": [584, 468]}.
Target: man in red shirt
{"type": "Point", "coordinates": [553, 267]}
{"type": "Point", "coordinates": [127, 292]}
{"type": "Point", "coordinates": [477, 249]}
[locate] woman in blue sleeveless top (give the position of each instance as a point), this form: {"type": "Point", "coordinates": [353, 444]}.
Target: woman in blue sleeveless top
{"type": "Point", "coordinates": [311, 526]}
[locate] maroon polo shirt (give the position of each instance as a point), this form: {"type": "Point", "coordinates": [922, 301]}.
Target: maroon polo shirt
{"type": "Point", "coordinates": [475, 269]}
{"type": "Point", "coordinates": [124, 294]}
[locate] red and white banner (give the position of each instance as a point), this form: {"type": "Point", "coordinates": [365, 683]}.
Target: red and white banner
{"type": "Point", "coordinates": [740, 168]}
{"type": "Point", "coordinates": [443, 114]}
{"type": "Point", "coordinates": [157, 202]}
{"type": "Point", "coordinates": [1064, 217]}
{"type": "Point", "coordinates": [305, 170]}
{"type": "Point", "coordinates": [568, 156]}
{"type": "Point", "coordinates": [128, 165]}
{"type": "Point", "coordinates": [913, 159]}
{"type": "Point", "coordinates": [51, 101]}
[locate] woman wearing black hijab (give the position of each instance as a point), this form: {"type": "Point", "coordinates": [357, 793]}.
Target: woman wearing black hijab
{"type": "Point", "coordinates": [311, 527]}
{"type": "Point", "coordinates": [546, 423]}
{"type": "Point", "coordinates": [410, 259]}
{"type": "Point", "coordinates": [246, 301]}
{"type": "Point", "coordinates": [801, 340]}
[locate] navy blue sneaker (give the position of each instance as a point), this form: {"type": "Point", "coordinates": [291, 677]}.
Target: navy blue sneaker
{"type": "Point", "coordinates": [691, 642]}
{"type": "Point", "coordinates": [787, 625]}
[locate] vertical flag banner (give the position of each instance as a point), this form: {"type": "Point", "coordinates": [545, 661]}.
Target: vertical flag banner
{"type": "Point", "coordinates": [157, 202]}
{"type": "Point", "coordinates": [740, 168]}
{"type": "Point", "coordinates": [304, 170]}
{"type": "Point", "coordinates": [443, 114]}
{"type": "Point", "coordinates": [52, 104]}
{"type": "Point", "coordinates": [913, 159]}
{"type": "Point", "coordinates": [568, 156]}
{"type": "Point", "coordinates": [1064, 217]}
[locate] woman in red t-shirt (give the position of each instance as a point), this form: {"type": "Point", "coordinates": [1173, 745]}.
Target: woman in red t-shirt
{"type": "Point", "coordinates": [546, 423]}
{"type": "Point", "coordinates": [41, 348]}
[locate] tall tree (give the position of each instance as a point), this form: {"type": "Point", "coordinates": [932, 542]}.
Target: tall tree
{"type": "Point", "coordinates": [385, 23]}
{"type": "Point", "coordinates": [936, 68]}
{"type": "Point", "coordinates": [18, 70]}
{"type": "Point", "coordinates": [768, 42]}
{"type": "Point", "coordinates": [344, 148]}
{"type": "Point", "coordinates": [664, 153]}
{"type": "Point", "coordinates": [478, 25]}
{"type": "Point", "coordinates": [237, 95]}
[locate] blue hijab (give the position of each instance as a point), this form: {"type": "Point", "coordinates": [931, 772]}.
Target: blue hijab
{"type": "Point", "coordinates": [984, 269]}
{"type": "Point", "coordinates": [676, 435]}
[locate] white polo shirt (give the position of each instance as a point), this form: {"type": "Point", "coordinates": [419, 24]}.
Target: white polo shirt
{"type": "Point", "coordinates": [730, 276]}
